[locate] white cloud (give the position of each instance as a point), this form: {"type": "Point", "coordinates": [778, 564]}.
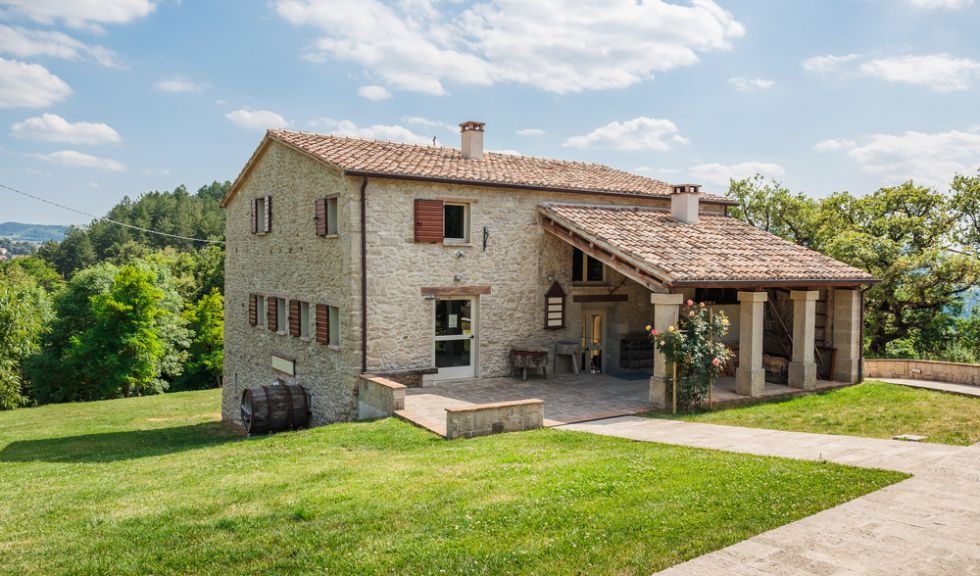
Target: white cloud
{"type": "Point", "coordinates": [827, 64]}
{"type": "Point", "coordinates": [555, 45]}
{"type": "Point", "coordinates": [29, 85]}
{"type": "Point", "coordinates": [54, 128]}
{"type": "Point", "coordinates": [180, 84]}
{"type": "Point", "coordinates": [750, 84]}
{"type": "Point", "coordinates": [941, 72]}
{"type": "Point", "coordinates": [929, 158]}
{"type": "Point", "coordinates": [26, 43]}
{"type": "Point", "coordinates": [720, 174]}
{"type": "Point", "coordinates": [90, 14]}
{"type": "Point", "coordinates": [374, 92]}
{"type": "Point", "coordinates": [830, 144]}
{"type": "Point", "coordinates": [80, 159]}
{"type": "Point", "coordinates": [641, 133]}
{"type": "Point", "coordinates": [259, 120]}
{"type": "Point", "coordinates": [940, 4]}
{"type": "Point", "coordinates": [530, 132]}
{"type": "Point", "coordinates": [429, 123]}
{"type": "Point", "coordinates": [392, 132]}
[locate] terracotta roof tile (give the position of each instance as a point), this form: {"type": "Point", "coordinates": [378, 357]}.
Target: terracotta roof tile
{"type": "Point", "coordinates": [359, 156]}
{"type": "Point", "coordinates": [716, 249]}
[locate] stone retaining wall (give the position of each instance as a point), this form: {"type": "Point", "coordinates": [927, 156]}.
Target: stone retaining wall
{"type": "Point", "coordinates": [486, 419]}
{"type": "Point", "coordinates": [378, 397]}
{"type": "Point", "coordinates": [952, 372]}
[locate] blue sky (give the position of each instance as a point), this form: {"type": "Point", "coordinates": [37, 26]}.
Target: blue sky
{"type": "Point", "coordinates": [105, 98]}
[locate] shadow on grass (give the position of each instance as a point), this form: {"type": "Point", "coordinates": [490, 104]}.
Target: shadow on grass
{"type": "Point", "coordinates": [115, 446]}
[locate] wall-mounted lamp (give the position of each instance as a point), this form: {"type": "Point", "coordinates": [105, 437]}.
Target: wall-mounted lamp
{"type": "Point", "coordinates": [551, 277]}
{"type": "Point", "coordinates": [460, 254]}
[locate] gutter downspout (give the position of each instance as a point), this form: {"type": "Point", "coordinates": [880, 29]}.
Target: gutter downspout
{"type": "Point", "coordinates": [364, 305]}
{"type": "Point", "coordinates": [861, 336]}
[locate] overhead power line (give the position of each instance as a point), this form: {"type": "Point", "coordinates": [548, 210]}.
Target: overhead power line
{"type": "Point", "coordinates": [104, 219]}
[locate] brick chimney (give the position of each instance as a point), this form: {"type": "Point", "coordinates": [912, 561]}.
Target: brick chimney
{"type": "Point", "coordinates": [685, 203]}
{"type": "Point", "coordinates": [472, 146]}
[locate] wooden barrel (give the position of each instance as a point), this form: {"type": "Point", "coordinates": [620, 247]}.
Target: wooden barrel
{"type": "Point", "coordinates": [275, 408]}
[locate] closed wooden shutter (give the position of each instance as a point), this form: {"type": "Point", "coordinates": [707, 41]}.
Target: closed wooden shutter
{"type": "Point", "coordinates": [323, 324]}
{"type": "Point", "coordinates": [255, 215]}
{"type": "Point", "coordinates": [294, 318]}
{"type": "Point", "coordinates": [268, 214]}
{"type": "Point", "coordinates": [253, 309]}
{"type": "Point", "coordinates": [272, 315]}
{"type": "Point", "coordinates": [428, 221]}
{"type": "Point", "coordinates": [321, 216]}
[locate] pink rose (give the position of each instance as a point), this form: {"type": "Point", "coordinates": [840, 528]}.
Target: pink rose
{"type": "Point", "coordinates": [716, 361]}
{"type": "Point", "coordinates": [690, 302]}
{"type": "Point", "coordinates": [702, 304]}
{"type": "Point", "coordinates": [654, 332]}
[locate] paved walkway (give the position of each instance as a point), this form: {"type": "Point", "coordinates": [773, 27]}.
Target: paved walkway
{"type": "Point", "coordinates": [926, 525]}
{"type": "Point", "coordinates": [962, 389]}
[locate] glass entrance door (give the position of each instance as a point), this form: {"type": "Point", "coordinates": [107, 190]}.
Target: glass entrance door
{"type": "Point", "coordinates": [593, 342]}
{"type": "Point", "coordinates": [455, 336]}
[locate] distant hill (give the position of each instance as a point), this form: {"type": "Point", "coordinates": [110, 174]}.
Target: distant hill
{"type": "Point", "coordinates": [32, 232]}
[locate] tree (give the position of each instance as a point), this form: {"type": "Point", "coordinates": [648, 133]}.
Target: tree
{"type": "Point", "coordinates": [40, 270]}
{"type": "Point", "coordinates": [24, 308]}
{"type": "Point", "coordinates": [206, 319]}
{"type": "Point", "coordinates": [909, 237]}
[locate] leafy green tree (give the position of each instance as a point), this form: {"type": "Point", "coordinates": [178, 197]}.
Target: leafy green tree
{"type": "Point", "coordinates": [772, 207]}
{"type": "Point", "coordinates": [24, 308]}
{"type": "Point", "coordinates": [206, 319]}
{"type": "Point", "coordinates": [38, 269]}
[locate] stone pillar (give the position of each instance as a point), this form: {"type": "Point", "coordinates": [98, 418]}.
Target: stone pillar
{"type": "Point", "coordinates": [750, 378]}
{"type": "Point", "coordinates": [847, 334]}
{"type": "Point", "coordinates": [666, 308]}
{"type": "Point", "coordinates": [803, 368]}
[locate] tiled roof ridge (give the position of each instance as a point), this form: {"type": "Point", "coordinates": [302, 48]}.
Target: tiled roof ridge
{"type": "Point", "coordinates": [451, 149]}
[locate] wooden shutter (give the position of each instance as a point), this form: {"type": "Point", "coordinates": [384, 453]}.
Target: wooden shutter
{"type": "Point", "coordinates": [294, 318]}
{"type": "Point", "coordinates": [321, 216]}
{"type": "Point", "coordinates": [255, 215]}
{"type": "Point", "coordinates": [429, 221]}
{"type": "Point", "coordinates": [272, 313]}
{"type": "Point", "coordinates": [253, 309]}
{"type": "Point", "coordinates": [268, 214]}
{"type": "Point", "coordinates": [323, 324]}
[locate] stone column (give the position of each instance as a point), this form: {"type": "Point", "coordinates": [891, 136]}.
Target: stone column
{"type": "Point", "coordinates": [847, 334]}
{"type": "Point", "coordinates": [750, 378]}
{"type": "Point", "coordinates": [803, 369]}
{"type": "Point", "coordinates": [666, 308]}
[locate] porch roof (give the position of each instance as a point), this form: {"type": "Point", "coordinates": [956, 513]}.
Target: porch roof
{"type": "Point", "coordinates": [651, 247]}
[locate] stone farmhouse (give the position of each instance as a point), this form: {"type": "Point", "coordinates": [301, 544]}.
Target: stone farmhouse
{"type": "Point", "coordinates": [423, 264]}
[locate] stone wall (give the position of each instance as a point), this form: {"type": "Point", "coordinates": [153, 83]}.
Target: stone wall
{"type": "Point", "coordinates": [378, 397]}
{"type": "Point", "coordinates": [952, 372]}
{"type": "Point", "coordinates": [486, 419]}
{"type": "Point", "coordinates": [290, 262]}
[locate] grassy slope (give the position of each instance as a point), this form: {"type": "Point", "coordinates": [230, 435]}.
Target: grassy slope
{"type": "Point", "coordinates": [872, 409]}
{"type": "Point", "coordinates": [156, 485]}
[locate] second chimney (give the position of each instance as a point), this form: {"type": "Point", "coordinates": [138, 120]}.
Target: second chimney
{"type": "Point", "coordinates": [685, 204]}
{"type": "Point", "coordinates": [472, 146]}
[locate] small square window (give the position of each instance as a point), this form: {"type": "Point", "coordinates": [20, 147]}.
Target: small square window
{"type": "Point", "coordinates": [456, 222]}
{"type": "Point", "coordinates": [282, 319]}
{"type": "Point", "coordinates": [586, 268]}
{"type": "Point", "coordinates": [304, 319]}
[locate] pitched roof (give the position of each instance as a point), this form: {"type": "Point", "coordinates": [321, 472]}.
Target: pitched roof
{"type": "Point", "coordinates": [717, 250]}
{"type": "Point", "coordinates": [359, 157]}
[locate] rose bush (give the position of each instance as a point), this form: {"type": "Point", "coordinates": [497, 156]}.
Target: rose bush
{"type": "Point", "coordinates": [695, 347]}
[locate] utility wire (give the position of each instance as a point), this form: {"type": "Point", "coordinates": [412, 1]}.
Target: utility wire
{"type": "Point", "coordinates": [104, 219]}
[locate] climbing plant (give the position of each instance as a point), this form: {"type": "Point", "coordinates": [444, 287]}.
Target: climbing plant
{"type": "Point", "coordinates": [695, 348]}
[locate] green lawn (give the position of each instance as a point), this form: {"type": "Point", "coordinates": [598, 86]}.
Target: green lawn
{"type": "Point", "coordinates": [157, 486]}
{"type": "Point", "coordinates": [873, 409]}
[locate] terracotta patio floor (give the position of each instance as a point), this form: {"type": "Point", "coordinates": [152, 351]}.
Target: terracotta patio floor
{"type": "Point", "coordinates": [567, 397]}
